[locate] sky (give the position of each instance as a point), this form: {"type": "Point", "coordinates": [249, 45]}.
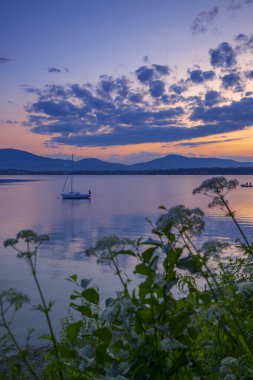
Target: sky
{"type": "Point", "coordinates": [127, 80]}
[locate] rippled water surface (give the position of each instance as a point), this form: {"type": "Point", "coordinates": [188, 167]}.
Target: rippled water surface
{"type": "Point", "coordinates": [119, 206]}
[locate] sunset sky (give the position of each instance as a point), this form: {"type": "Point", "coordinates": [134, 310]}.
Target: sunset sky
{"type": "Point", "coordinates": [127, 80]}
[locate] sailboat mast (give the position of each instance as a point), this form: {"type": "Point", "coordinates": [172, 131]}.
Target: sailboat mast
{"type": "Point", "coordinates": [71, 180]}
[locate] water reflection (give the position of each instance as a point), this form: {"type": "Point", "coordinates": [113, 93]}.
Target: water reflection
{"type": "Point", "coordinates": [119, 206]}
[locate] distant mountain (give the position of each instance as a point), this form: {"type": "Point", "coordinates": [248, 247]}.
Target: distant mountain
{"type": "Point", "coordinates": [174, 161]}
{"type": "Point", "coordinates": [20, 160]}
{"type": "Point", "coordinates": [98, 165]}
{"type": "Point", "coordinates": [13, 159]}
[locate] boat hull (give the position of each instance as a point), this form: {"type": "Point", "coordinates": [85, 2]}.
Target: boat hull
{"type": "Point", "coordinates": [75, 196]}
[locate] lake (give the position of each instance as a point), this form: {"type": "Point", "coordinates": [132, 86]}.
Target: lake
{"type": "Point", "coordinates": [119, 206]}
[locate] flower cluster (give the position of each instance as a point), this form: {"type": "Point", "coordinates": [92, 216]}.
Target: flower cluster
{"type": "Point", "coordinates": [244, 288]}
{"type": "Point", "coordinates": [182, 218]}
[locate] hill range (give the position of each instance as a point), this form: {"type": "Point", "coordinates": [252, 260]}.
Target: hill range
{"type": "Point", "coordinates": [18, 160]}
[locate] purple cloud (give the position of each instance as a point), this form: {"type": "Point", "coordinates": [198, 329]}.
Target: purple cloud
{"type": "Point", "coordinates": [5, 60]}
{"type": "Point", "coordinates": [223, 56]}
{"type": "Point", "coordinates": [53, 70]}
{"type": "Point", "coordinates": [199, 76]}
{"type": "Point", "coordinates": [233, 81]}
{"type": "Point", "coordinates": [203, 20]}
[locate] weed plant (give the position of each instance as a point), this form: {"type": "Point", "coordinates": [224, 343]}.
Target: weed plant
{"type": "Point", "coordinates": [189, 317]}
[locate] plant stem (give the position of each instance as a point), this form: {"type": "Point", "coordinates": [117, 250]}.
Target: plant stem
{"type": "Point", "coordinates": [231, 214]}
{"type": "Point", "coordinates": [46, 312]}
{"type": "Point", "coordinates": [18, 348]}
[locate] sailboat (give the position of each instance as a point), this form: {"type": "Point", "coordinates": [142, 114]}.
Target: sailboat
{"type": "Point", "coordinates": [73, 194]}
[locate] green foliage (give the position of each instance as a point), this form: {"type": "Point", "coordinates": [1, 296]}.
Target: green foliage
{"type": "Point", "coordinates": [190, 317]}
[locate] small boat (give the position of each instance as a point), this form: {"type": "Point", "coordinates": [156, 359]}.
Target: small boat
{"type": "Point", "coordinates": [73, 194]}
{"type": "Point", "coordinates": [246, 184]}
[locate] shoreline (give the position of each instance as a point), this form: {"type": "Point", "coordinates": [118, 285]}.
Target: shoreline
{"type": "Point", "coordinates": [15, 180]}
{"type": "Point", "coordinates": [182, 171]}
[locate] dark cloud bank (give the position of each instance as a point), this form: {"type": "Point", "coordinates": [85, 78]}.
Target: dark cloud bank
{"type": "Point", "coordinates": [150, 107]}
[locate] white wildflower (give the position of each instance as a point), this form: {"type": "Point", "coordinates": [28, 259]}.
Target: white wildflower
{"type": "Point", "coordinates": [107, 248]}
{"type": "Point", "coordinates": [182, 217]}
{"type": "Point", "coordinates": [214, 313]}
{"type": "Point", "coordinates": [213, 247]}
{"type": "Point", "coordinates": [228, 365]}
{"type": "Point", "coordinates": [120, 309]}
{"type": "Point", "coordinates": [159, 280]}
{"type": "Point", "coordinates": [171, 344]}
{"type": "Point", "coordinates": [244, 288]}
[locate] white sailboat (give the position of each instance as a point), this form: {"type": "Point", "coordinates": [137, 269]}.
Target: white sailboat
{"type": "Point", "coordinates": [73, 194]}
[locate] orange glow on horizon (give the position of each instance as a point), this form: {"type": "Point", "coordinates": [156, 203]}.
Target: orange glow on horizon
{"type": "Point", "coordinates": [235, 144]}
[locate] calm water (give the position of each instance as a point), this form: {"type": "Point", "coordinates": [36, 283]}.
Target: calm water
{"type": "Point", "coordinates": [119, 206]}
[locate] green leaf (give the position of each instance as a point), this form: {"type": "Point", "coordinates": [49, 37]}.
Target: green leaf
{"type": "Point", "coordinates": [118, 345]}
{"type": "Point", "coordinates": [173, 255]}
{"type": "Point", "coordinates": [83, 309]}
{"type": "Point", "coordinates": [145, 315]}
{"type": "Point", "coordinates": [142, 269]}
{"type": "Point", "coordinates": [73, 330]}
{"type": "Point", "coordinates": [73, 296]}
{"type": "Point", "coordinates": [104, 334]}
{"type": "Point", "coordinates": [101, 353]}
{"type": "Point", "coordinates": [244, 344]}
{"type": "Point", "coordinates": [205, 297]}
{"type": "Point", "coordinates": [91, 295]}
{"type": "Point", "coordinates": [144, 289]}
{"type": "Point", "coordinates": [191, 263]}
{"type": "Point", "coordinates": [73, 277]}
{"type": "Point", "coordinates": [171, 237]}
{"type": "Point", "coordinates": [193, 332]}
{"type": "Point", "coordinates": [66, 352]}
{"type": "Point", "coordinates": [148, 253]}
{"type": "Point", "coordinates": [46, 337]}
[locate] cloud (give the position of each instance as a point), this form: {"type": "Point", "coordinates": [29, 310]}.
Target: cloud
{"type": "Point", "coordinates": [234, 5]}
{"type": "Point", "coordinates": [5, 60]}
{"type": "Point", "coordinates": [11, 122]}
{"type": "Point", "coordinates": [239, 114]}
{"type": "Point", "coordinates": [199, 76]}
{"type": "Point", "coordinates": [110, 108]}
{"type": "Point", "coordinates": [179, 87]}
{"type": "Point", "coordinates": [157, 88]}
{"type": "Point", "coordinates": [161, 69]}
{"type": "Point", "coordinates": [233, 81]}
{"type": "Point", "coordinates": [53, 70]}
{"type": "Point", "coordinates": [195, 144]}
{"type": "Point", "coordinates": [249, 74]}
{"type": "Point", "coordinates": [212, 97]}
{"type": "Point", "coordinates": [223, 56]}
{"type": "Point", "coordinates": [244, 43]}
{"type": "Point", "coordinates": [146, 74]}
{"type": "Point", "coordinates": [97, 122]}
{"type": "Point", "coordinates": [110, 87]}
{"type": "Point", "coordinates": [147, 107]}
{"type": "Point", "coordinates": [139, 135]}
{"type": "Point", "coordinates": [204, 19]}
{"type": "Point", "coordinates": [201, 23]}
{"type": "Point", "coordinates": [152, 77]}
